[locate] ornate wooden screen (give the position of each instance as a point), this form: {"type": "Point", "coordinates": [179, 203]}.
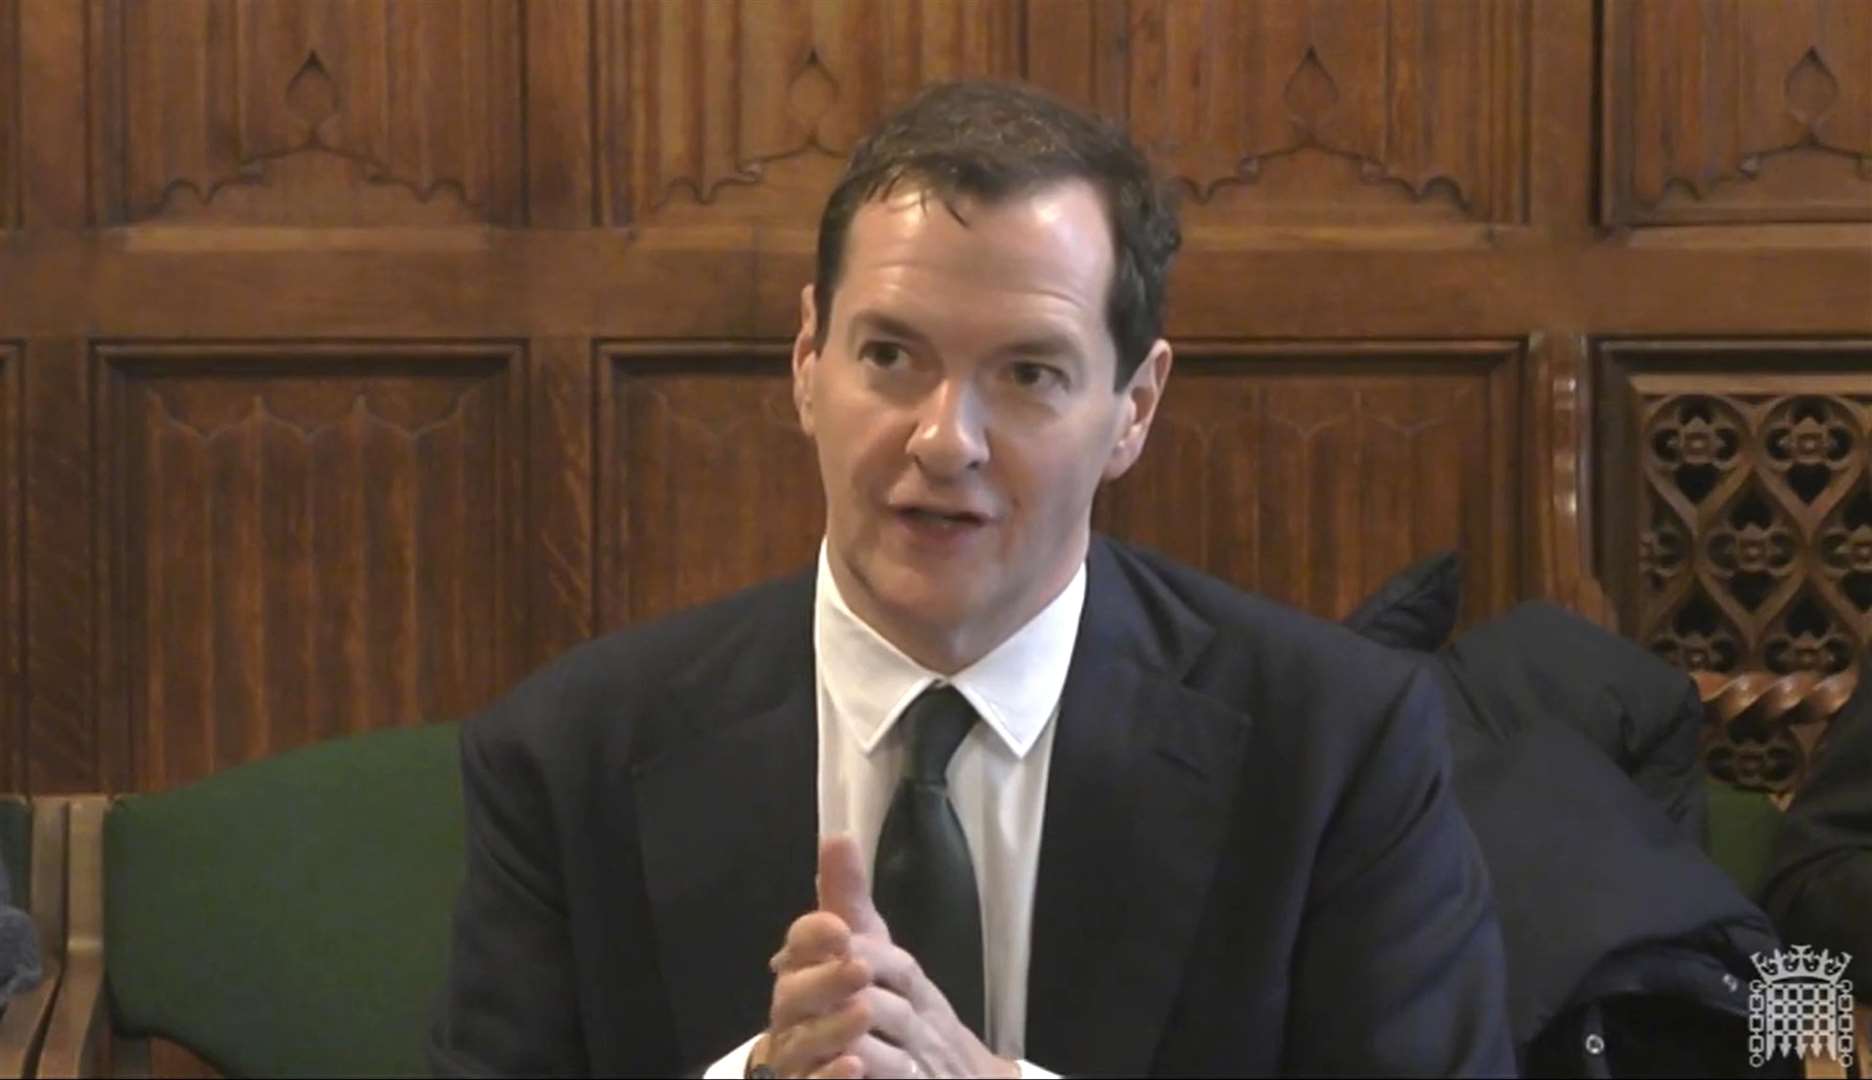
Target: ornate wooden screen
{"type": "Point", "coordinates": [1739, 476]}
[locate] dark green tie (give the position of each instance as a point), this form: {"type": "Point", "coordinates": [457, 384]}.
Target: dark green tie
{"type": "Point", "coordinates": [925, 884]}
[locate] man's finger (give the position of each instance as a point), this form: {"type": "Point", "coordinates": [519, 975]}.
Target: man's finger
{"type": "Point", "coordinates": [802, 1048]}
{"type": "Point", "coordinates": [893, 1018]}
{"type": "Point", "coordinates": [810, 993]}
{"type": "Point", "coordinates": [844, 1067]}
{"type": "Point", "coordinates": [894, 969]}
{"type": "Point", "coordinates": [880, 1058]}
{"type": "Point", "coordinates": [845, 888]}
{"type": "Point", "coordinates": [814, 938]}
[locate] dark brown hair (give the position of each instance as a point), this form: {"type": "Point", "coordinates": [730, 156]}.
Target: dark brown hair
{"type": "Point", "coordinates": [991, 141]}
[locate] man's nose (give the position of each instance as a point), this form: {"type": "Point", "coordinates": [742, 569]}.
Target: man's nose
{"type": "Point", "coordinates": [951, 437]}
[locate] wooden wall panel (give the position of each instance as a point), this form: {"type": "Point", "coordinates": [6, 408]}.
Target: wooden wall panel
{"type": "Point", "coordinates": [301, 112]}
{"type": "Point", "coordinates": [13, 751]}
{"type": "Point", "coordinates": [1737, 477]}
{"type": "Point", "coordinates": [1731, 110]}
{"type": "Point", "coordinates": [9, 114]}
{"type": "Point", "coordinates": [1315, 111]}
{"type": "Point", "coordinates": [745, 109]}
{"type": "Point", "coordinates": [706, 482]}
{"type": "Point", "coordinates": [1313, 472]}
{"type": "Point", "coordinates": [1310, 472]}
{"type": "Point", "coordinates": [1385, 198]}
{"type": "Point", "coordinates": [312, 540]}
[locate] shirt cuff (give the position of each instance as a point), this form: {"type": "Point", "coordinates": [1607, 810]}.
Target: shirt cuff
{"type": "Point", "coordinates": [733, 1066]}
{"type": "Point", "coordinates": [1030, 1071]}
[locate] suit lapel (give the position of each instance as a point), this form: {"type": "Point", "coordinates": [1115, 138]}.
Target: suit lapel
{"type": "Point", "coordinates": [729, 820]}
{"type": "Point", "coordinates": [1139, 790]}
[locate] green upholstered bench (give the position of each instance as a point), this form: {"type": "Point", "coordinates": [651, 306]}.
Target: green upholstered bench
{"type": "Point", "coordinates": [288, 917]}
{"type": "Point", "coordinates": [32, 844]}
{"type": "Point", "coordinates": [1741, 835]}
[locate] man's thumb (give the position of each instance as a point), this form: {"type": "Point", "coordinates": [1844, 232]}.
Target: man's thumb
{"type": "Point", "coordinates": [845, 888]}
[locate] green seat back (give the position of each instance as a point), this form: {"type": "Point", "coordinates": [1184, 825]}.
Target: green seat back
{"type": "Point", "coordinates": [16, 848]}
{"type": "Point", "coordinates": [290, 917]}
{"type": "Point", "coordinates": [1742, 830]}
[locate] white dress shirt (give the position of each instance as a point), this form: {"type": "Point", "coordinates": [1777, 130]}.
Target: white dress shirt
{"type": "Point", "coordinates": [997, 779]}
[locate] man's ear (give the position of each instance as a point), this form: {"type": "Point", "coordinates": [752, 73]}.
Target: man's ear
{"type": "Point", "coordinates": [1138, 409]}
{"type": "Point", "coordinates": [805, 359]}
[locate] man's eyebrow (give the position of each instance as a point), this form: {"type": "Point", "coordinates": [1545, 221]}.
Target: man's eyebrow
{"type": "Point", "coordinates": [1045, 346]}
{"type": "Point", "coordinates": [887, 325]}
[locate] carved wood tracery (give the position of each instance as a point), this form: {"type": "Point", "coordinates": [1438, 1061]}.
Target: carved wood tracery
{"type": "Point", "coordinates": [1742, 480]}
{"type": "Point", "coordinates": [1420, 101]}
{"type": "Point", "coordinates": [302, 112]}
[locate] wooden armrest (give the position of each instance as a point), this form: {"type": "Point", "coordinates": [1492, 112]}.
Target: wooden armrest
{"type": "Point", "coordinates": [23, 1026]}
{"type": "Point", "coordinates": [80, 1028]}
{"type": "Point", "coordinates": [1791, 713]}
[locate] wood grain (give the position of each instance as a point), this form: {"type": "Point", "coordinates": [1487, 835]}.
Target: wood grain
{"type": "Point", "coordinates": [307, 113]}
{"type": "Point", "coordinates": [51, 153]}
{"type": "Point", "coordinates": [9, 118]}
{"type": "Point", "coordinates": [1311, 111]}
{"type": "Point", "coordinates": [706, 483]}
{"type": "Point", "coordinates": [14, 752]}
{"type": "Point", "coordinates": [1399, 261]}
{"type": "Point", "coordinates": [313, 542]}
{"type": "Point", "coordinates": [1738, 478]}
{"type": "Point", "coordinates": [560, 511]}
{"type": "Point", "coordinates": [745, 109]}
{"type": "Point", "coordinates": [63, 568]}
{"type": "Point", "coordinates": [1737, 111]}
{"type": "Point", "coordinates": [561, 153]}
{"type": "Point", "coordinates": [1312, 471]}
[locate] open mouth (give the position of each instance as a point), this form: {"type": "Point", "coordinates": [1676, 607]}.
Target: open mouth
{"type": "Point", "coordinates": [940, 519]}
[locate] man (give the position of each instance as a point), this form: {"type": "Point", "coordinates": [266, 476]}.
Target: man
{"type": "Point", "coordinates": [1121, 818]}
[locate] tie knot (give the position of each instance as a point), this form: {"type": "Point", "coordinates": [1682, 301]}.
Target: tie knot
{"type": "Point", "coordinates": [939, 720]}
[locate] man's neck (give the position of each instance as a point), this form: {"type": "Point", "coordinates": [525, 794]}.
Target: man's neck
{"type": "Point", "coordinates": [943, 650]}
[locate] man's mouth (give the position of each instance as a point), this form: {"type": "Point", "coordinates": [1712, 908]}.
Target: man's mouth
{"type": "Point", "coordinates": [934, 516]}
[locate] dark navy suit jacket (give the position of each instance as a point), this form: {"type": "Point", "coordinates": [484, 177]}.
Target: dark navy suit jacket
{"type": "Point", "coordinates": [1251, 861]}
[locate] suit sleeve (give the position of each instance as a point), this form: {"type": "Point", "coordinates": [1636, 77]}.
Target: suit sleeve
{"type": "Point", "coordinates": [510, 1004]}
{"type": "Point", "coordinates": [1400, 968]}
{"type": "Point", "coordinates": [1820, 881]}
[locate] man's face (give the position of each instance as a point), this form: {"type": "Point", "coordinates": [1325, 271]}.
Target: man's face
{"type": "Point", "coordinates": [964, 411]}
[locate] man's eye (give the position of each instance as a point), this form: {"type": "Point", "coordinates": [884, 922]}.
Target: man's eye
{"type": "Point", "coordinates": [1034, 376]}
{"type": "Point", "coordinates": [882, 353]}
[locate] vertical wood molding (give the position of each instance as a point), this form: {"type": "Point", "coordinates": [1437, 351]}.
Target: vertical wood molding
{"type": "Point", "coordinates": [560, 512]}
{"type": "Point", "coordinates": [14, 750]}
{"type": "Point", "coordinates": [10, 83]}
{"type": "Point", "coordinates": [50, 111]}
{"type": "Point", "coordinates": [298, 112]}
{"type": "Point", "coordinates": [1737, 111]}
{"type": "Point", "coordinates": [1557, 445]}
{"type": "Point", "coordinates": [561, 76]}
{"type": "Point", "coordinates": [62, 571]}
{"type": "Point", "coordinates": [1561, 155]}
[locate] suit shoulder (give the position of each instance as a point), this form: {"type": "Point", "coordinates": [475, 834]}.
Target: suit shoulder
{"type": "Point", "coordinates": [1261, 645]}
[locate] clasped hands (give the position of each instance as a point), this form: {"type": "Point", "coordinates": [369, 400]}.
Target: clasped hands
{"type": "Point", "coordinates": [848, 1003]}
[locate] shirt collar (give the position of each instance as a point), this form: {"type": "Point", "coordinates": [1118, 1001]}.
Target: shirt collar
{"type": "Point", "coordinates": [1015, 688]}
